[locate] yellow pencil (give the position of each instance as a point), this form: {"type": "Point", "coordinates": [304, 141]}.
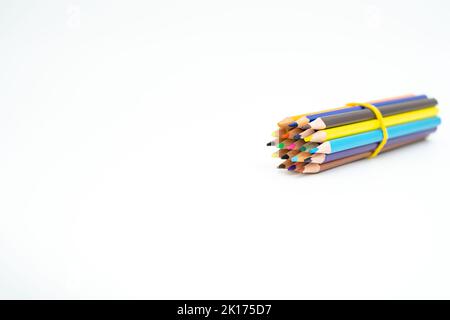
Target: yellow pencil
{"type": "Point", "coordinates": [369, 125]}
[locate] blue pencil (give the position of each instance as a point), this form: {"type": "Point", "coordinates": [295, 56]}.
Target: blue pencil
{"type": "Point", "coordinates": [309, 118]}
{"type": "Point", "coordinates": [361, 139]}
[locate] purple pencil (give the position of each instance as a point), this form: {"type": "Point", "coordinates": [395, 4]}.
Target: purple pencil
{"type": "Point", "coordinates": [324, 158]}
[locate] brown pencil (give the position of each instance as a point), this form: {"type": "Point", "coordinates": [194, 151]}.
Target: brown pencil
{"type": "Point", "coordinates": [286, 164]}
{"type": "Point", "coordinates": [316, 167]}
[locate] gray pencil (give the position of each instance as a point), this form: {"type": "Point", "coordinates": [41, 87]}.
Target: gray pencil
{"type": "Point", "coordinates": [366, 114]}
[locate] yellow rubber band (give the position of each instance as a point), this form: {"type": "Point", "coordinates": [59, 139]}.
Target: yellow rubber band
{"type": "Point", "coordinates": [380, 119]}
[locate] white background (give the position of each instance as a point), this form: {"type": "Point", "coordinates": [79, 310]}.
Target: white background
{"type": "Point", "coordinates": [133, 161]}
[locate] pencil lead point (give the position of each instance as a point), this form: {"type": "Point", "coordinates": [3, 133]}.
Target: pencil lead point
{"type": "Point", "coordinates": [307, 160]}
{"type": "Point", "coordinates": [293, 125]}
{"type": "Point", "coordinates": [292, 167]}
{"type": "Point", "coordinates": [297, 137]}
{"type": "Point", "coordinates": [313, 150]}
{"type": "Point", "coordinates": [285, 157]}
{"type": "Point", "coordinates": [281, 166]}
{"type": "Point", "coordinates": [269, 144]}
{"type": "Point", "coordinates": [294, 159]}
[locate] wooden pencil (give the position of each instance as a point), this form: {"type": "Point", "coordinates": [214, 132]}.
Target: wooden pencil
{"type": "Point", "coordinates": [369, 125]}
{"type": "Point", "coordinates": [308, 146]}
{"type": "Point", "coordinates": [361, 139]}
{"type": "Point", "coordinates": [290, 154]}
{"type": "Point", "coordinates": [279, 132]}
{"type": "Point", "coordinates": [335, 120]}
{"type": "Point", "coordinates": [316, 167]}
{"type": "Point", "coordinates": [296, 145]}
{"type": "Point", "coordinates": [307, 133]}
{"type": "Point", "coordinates": [290, 134]}
{"type": "Point", "coordinates": [286, 164]}
{"type": "Point", "coordinates": [279, 153]}
{"type": "Point", "coordinates": [273, 142]}
{"type": "Point", "coordinates": [283, 144]}
{"type": "Point", "coordinates": [300, 157]}
{"type": "Point", "coordinates": [303, 120]}
{"type": "Point", "coordinates": [324, 158]}
{"type": "Point", "coordinates": [295, 166]}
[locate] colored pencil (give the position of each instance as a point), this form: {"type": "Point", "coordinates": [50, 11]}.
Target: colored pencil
{"type": "Point", "coordinates": [308, 146]}
{"type": "Point", "coordinates": [279, 153]}
{"type": "Point", "coordinates": [315, 167]}
{"type": "Point", "coordinates": [369, 125]}
{"type": "Point", "coordinates": [324, 158]}
{"type": "Point", "coordinates": [296, 166]}
{"type": "Point", "coordinates": [290, 154]}
{"type": "Point", "coordinates": [305, 119]}
{"type": "Point", "coordinates": [304, 134]}
{"type": "Point", "coordinates": [283, 144]}
{"type": "Point", "coordinates": [296, 145]}
{"type": "Point", "coordinates": [286, 164]}
{"type": "Point", "coordinates": [292, 133]}
{"type": "Point", "coordinates": [300, 157]}
{"type": "Point", "coordinates": [279, 132]}
{"type": "Point", "coordinates": [361, 139]}
{"type": "Point", "coordinates": [366, 114]}
{"type": "Point", "coordinates": [273, 143]}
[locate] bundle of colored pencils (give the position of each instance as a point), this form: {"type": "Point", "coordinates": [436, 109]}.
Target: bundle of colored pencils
{"type": "Point", "coordinates": [316, 142]}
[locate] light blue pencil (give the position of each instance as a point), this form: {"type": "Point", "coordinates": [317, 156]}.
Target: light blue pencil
{"type": "Point", "coordinates": [362, 139]}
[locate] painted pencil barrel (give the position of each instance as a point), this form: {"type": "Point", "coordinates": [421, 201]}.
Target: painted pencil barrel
{"type": "Point", "coordinates": [372, 147]}
{"type": "Point", "coordinates": [366, 114]}
{"type": "Point", "coordinates": [369, 125]}
{"type": "Point", "coordinates": [376, 104]}
{"type": "Point", "coordinates": [377, 135]}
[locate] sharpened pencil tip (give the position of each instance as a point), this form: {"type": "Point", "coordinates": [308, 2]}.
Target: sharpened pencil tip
{"type": "Point", "coordinates": [313, 150]}
{"type": "Point", "coordinates": [297, 137]}
{"type": "Point", "coordinates": [293, 125]}
{"type": "Point", "coordinates": [307, 160]}
{"type": "Point", "coordinates": [292, 167]}
{"type": "Point", "coordinates": [285, 157]}
{"type": "Point", "coordinates": [269, 144]}
{"type": "Point", "coordinates": [294, 159]}
{"type": "Point", "coordinates": [302, 148]}
{"type": "Point", "coordinates": [281, 145]}
{"type": "Point", "coordinates": [281, 166]}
